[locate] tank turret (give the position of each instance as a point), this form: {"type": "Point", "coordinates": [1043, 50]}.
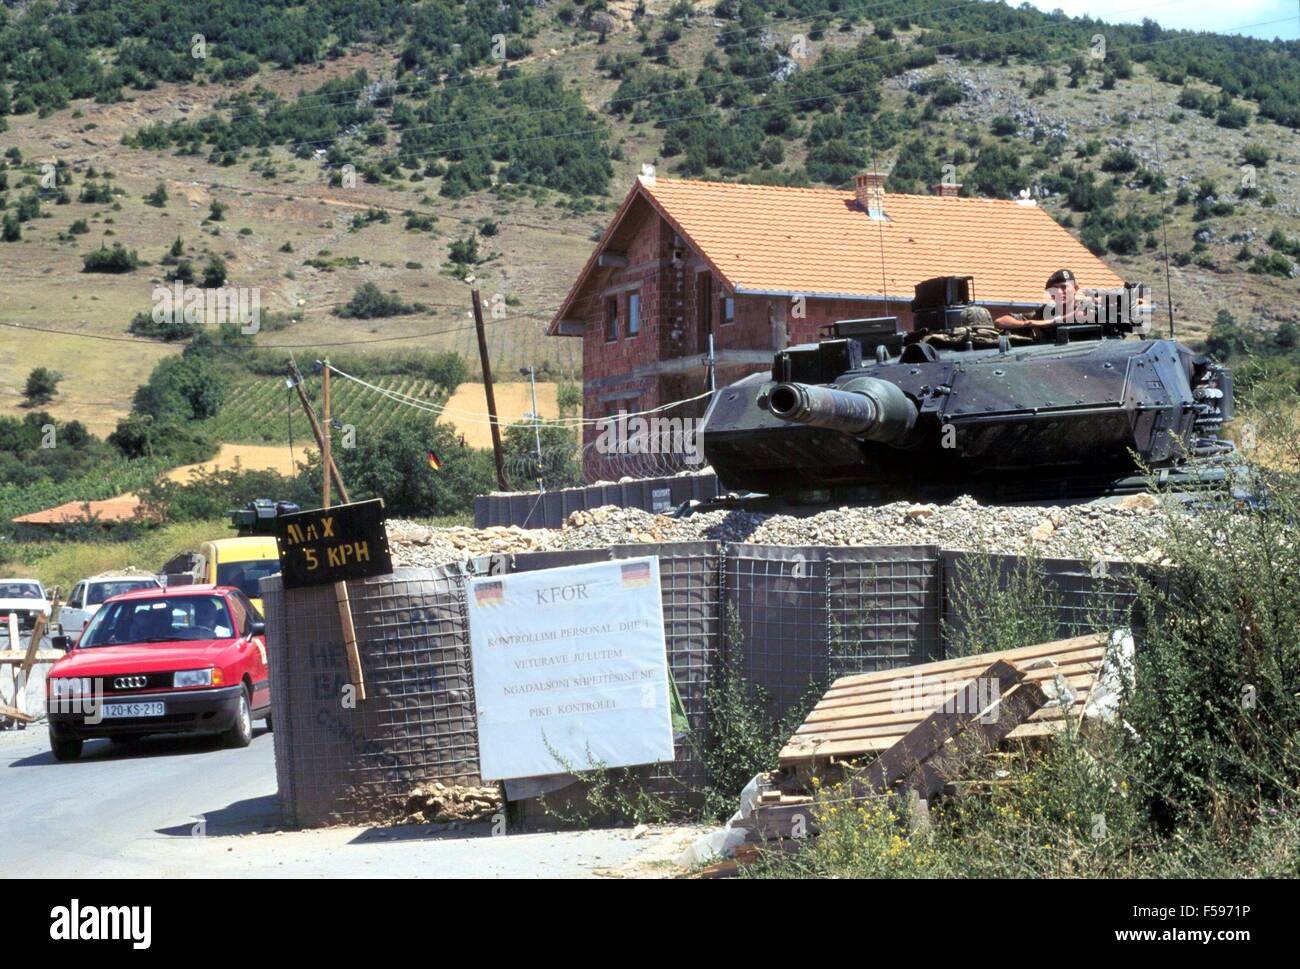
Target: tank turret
{"type": "Point", "coordinates": [1047, 409]}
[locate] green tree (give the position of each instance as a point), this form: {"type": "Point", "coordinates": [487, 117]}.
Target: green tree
{"type": "Point", "coordinates": [369, 302]}
{"type": "Point", "coordinates": [392, 464]}
{"type": "Point", "coordinates": [214, 273]}
{"type": "Point", "coordinates": [184, 388]}
{"type": "Point", "coordinates": [997, 172]}
{"type": "Point", "coordinates": [42, 385]}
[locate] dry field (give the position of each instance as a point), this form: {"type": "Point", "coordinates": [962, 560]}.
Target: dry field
{"type": "Point", "coordinates": [513, 401]}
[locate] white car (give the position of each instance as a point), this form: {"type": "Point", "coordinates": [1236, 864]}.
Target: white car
{"type": "Point", "coordinates": [89, 594]}
{"type": "Point", "coordinates": [26, 598]}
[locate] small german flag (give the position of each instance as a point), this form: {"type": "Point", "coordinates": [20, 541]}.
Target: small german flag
{"type": "Point", "coordinates": [433, 461]}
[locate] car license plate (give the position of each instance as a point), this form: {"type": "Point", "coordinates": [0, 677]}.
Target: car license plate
{"type": "Point", "coordinates": [112, 710]}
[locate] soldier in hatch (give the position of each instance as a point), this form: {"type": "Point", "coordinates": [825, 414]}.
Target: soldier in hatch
{"type": "Point", "coordinates": [1063, 304]}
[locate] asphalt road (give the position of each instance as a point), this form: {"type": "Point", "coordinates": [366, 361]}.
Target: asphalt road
{"type": "Point", "coordinates": [177, 806]}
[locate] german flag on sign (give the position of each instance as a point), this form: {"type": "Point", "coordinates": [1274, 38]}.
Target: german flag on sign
{"type": "Point", "coordinates": [489, 594]}
{"type": "Point", "coordinates": [433, 461]}
{"type": "Point", "coordinates": [636, 575]}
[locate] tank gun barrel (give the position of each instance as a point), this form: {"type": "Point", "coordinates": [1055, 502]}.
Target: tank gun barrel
{"type": "Point", "coordinates": [875, 410]}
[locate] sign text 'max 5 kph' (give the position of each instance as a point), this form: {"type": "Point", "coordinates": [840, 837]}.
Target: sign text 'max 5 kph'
{"type": "Point", "coordinates": [333, 544]}
{"type": "Point", "coordinates": [570, 669]}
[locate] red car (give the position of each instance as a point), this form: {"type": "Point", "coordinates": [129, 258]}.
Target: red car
{"type": "Point", "coordinates": [179, 660]}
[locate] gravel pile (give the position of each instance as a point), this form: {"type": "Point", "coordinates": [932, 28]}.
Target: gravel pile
{"type": "Point", "coordinates": [1127, 529]}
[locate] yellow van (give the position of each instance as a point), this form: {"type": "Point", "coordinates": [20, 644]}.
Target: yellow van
{"type": "Point", "coordinates": [240, 562]}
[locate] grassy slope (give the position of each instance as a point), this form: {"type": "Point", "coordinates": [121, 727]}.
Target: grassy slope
{"type": "Point", "coordinates": [539, 249]}
{"type": "Point", "coordinates": [66, 563]}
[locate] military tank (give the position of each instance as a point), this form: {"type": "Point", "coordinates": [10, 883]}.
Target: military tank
{"type": "Point", "coordinates": [1068, 407]}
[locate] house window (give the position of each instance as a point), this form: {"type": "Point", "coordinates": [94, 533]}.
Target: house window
{"type": "Point", "coordinates": [611, 319]}
{"type": "Point", "coordinates": [728, 310]}
{"type": "Point", "coordinates": [633, 314]}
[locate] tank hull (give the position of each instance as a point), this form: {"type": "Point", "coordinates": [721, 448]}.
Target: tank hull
{"type": "Point", "coordinates": [1073, 419]}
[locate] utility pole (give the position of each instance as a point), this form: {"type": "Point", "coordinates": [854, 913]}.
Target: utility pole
{"type": "Point", "coordinates": [497, 453]}
{"type": "Point", "coordinates": [327, 458]}
{"type": "Point", "coordinates": [331, 468]}
{"type": "Point", "coordinates": [537, 431]}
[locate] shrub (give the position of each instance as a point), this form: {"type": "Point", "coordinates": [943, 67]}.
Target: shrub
{"type": "Point", "coordinates": [115, 260]}
{"type": "Point", "coordinates": [42, 384]}
{"type": "Point", "coordinates": [370, 302]}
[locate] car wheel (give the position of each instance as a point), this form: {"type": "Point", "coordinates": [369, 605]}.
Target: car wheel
{"type": "Point", "coordinates": [65, 746]}
{"type": "Point", "coordinates": [241, 732]}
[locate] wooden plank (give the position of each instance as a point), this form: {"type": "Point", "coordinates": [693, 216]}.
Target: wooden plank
{"type": "Point", "coordinates": [13, 713]}
{"type": "Point", "coordinates": [1040, 666]}
{"type": "Point", "coordinates": [980, 738]}
{"type": "Point", "coordinates": [828, 716]}
{"type": "Point", "coordinates": [922, 741]}
{"type": "Point", "coordinates": [962, 662]}
{"type": "Point", "coordinates": [794, 756]}
{"type": "Point", "coordinates": [874, 726]}
{"type": "Point", "coordinates": [16, 657]}
{"type": "Point", "coordinates": [930, 691]}
{"type": "Point", "coordinates": [33, 647]}
{"type": "Point", "coordinates": [350, 650]}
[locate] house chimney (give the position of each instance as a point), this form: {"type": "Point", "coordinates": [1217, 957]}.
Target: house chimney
{"type": "Point", "coordinates": [946, 190]}
{"type": "Point", "coordinates": [870, 190]}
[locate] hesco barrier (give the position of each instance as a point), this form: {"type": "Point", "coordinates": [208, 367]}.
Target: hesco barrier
{"type": "Point", "coordinates": [338, 762]}
{"type": "Point", "coordinates": [790, 619]}
{"type": "Point", "coordinates": [551, 508]}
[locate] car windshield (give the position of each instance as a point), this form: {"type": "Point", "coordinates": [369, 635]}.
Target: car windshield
{"type": "Point", "coordinates": [159, 619]}
{"type": "Point", "coordinates": [245, 576]}
{"type": "Point", "coordinates": [20, 590]}
{"type": "Point", "coordinates": [97, 592]}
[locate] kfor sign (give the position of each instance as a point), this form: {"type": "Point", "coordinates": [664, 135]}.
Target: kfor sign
{"type": "Point", "coordinates": [570, 669]}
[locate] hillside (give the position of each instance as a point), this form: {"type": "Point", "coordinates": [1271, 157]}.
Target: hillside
{"type": "Point", "coordinates": [471, 171]}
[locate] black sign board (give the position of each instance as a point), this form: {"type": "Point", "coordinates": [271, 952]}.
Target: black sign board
{"type": "Point", "coordinates": [332, 544]}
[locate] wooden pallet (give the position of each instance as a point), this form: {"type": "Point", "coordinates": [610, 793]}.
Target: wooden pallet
{"type": "Point", "coordinates": [866, 714]}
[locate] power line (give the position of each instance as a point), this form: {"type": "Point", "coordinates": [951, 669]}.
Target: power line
{"type": "Point", "coordinates": [482, 418]}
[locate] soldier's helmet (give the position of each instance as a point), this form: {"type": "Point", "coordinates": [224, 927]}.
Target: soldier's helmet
{"type": "Point", "coordinates": [976, 316]}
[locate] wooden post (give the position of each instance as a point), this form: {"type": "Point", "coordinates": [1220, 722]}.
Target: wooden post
{"type": "Point", "coordinates": [326, 457]}
{"type": "Point", "coordinates": [350, 649]}
{"type": "Point", "coordinates": [316, 432]}
{"type": "Point", "coordinates": [491, 395]}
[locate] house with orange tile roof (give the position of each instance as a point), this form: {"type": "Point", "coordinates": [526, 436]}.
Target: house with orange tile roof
{"type": "Point", "coordinates": [123, 508]}
{"type": "Point", "coordinates": [689, 270]}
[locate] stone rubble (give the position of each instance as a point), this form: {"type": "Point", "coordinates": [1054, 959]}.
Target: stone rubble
{"type": "Point", "coordinates": [1125, 529]}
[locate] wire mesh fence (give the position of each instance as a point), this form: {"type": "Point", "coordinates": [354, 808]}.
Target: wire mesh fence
{"type": "Point", "coordinates": [341, 759]}
{"type": "Point", "coordinates": [790, 619]}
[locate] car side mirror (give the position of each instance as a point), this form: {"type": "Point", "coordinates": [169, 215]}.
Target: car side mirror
{"type": "Point", "coordinates": [63, 643]}
{"type": "Point", "coordinates": [257, 628]}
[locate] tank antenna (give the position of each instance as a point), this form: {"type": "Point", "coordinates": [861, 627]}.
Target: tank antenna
{"type": "Point", "coordinates": [1164, 227]}
{"type": "Point", "coordinates": [880, 224]}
